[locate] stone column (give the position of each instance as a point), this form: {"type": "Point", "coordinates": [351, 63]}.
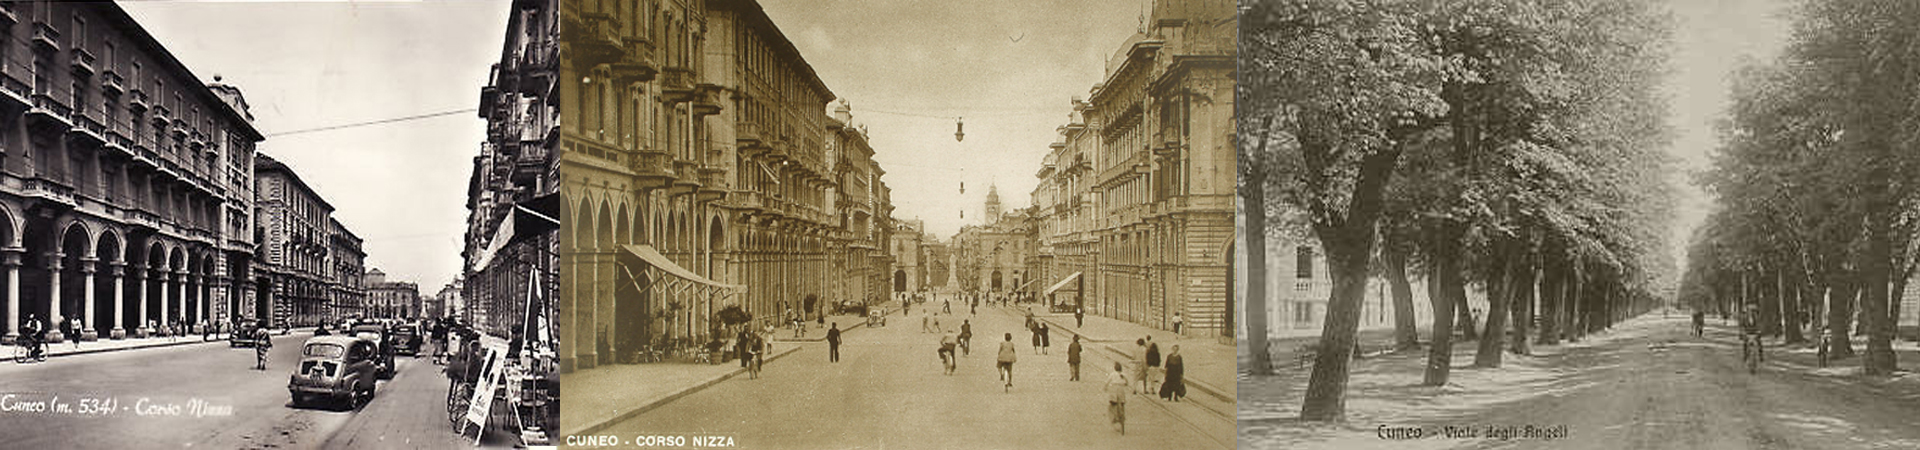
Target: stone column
{"type": "Point", "coordinates": [117, 270]}
{"type": "Point", "coordinates": [53, 309]}
{"type": "Point", "coordinates": [87, 333]}
{"type": "Point", "coordinates": [11, 259]}
{"type": "Point", "coordinates": [160, 280]}
{"type": "Point", "coordinates": [200, 304]}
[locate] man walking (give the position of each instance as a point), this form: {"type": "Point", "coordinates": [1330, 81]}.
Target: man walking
{"type": "Point", "coordinates": [1153, 362]}
{"type": "Point", "coordinates": [833, 343]}
{"type": "Point", "coordinates": [1079, 317]}
{"type": "Point", "coordinates": [1006, 360]}
{"type": "Point", "coordinates": [1073, 358]}
{"type": "Point", "coordinates": [1176, 322]}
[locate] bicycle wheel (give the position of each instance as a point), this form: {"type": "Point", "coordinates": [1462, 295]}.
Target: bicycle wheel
{"type": "Point", "coordinates": [457, 394]}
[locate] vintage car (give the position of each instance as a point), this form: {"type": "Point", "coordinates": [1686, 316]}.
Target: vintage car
{"type": "Point", "coordinates": [336, 368]}
{"type": "Point", "coordinates": [243, 334]}
{"type": "Point", "coordinates": [406, 339]}
{"type": "Point", "coordinates": [383, 355]}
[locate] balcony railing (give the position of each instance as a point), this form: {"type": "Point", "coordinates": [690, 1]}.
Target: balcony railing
{"type": "Point", "coordinates": [82, 62]}
{"type": "Point", "coordinates": [45, 37]}
{"type": "Point", "coordinates": [50, 190]}
{"type": "Point", "coordinates": [676, 83]}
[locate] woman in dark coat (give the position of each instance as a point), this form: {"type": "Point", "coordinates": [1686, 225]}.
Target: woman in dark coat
{"type": "Point", "coordinates": [1174, 388]}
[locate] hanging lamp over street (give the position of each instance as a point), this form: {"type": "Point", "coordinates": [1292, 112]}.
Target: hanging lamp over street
{"type": "Point", "coordinates": [959, 129]}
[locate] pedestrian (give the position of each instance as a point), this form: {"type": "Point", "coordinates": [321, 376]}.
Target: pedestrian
{"type": "Point", "coordinates": [1699, 322]}
{"type": "Point", "coordinates": [1139, 365]}
{"type": "Point", "coordinates": [966, 337]}
{"type": "Point", "coordinates": [1073, 358]}
{"type": "Point", "coordinates": [1176, 322]}
{"type": "Point", "coordinates": [936, 324]}
{"type": "Point", "coordinates": [1046, 337]}
{"type": "Point", "coordinates": [946, 306]}
{"type": "Point", "coordinates": [260, 348]}
{"type": "Point", "coordinates": [756, 349]}
{"type": "Point", "coordinates": [1035, 332]}
{"type": "Point", "coordinates": [1175, 388]}
{"type": "Point", "coordinates": [833, 343]}
{"type": "Point", "coordinates": [1116, 388]}
{"type": "Point", "coordinates": [1079, 317]}
{"type": "Point", "coordinates": [74, 326]}
{"type": "Point", "coordinates": [926, 321]}
{"type": "Point", "coordinates": [1006, 360]}
{"type": "Point", "coordinates": [1153, 361]}
{"type": "Point", "coordinates": [740, 347]}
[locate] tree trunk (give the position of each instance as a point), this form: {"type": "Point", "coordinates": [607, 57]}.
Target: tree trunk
{"type": "Point", "coordinates": [1406, 334]}
{"type": "Point", "coordinates": [1552, 292]}
{"type": "Point", "coordinates": [1525, 273]}
{"type": "Point", "coordinates": [1840, 314]}
{"type": "Point", "coordinates": [1878, 270]}
{"type": "Point", "coordinates": [1348, 241]}
{"type": "Point", "coordinates": [1463, 313]}
{"type": "Point", "coordinates": [1790, 304]}
{"type": "Point", "coordinates": [1254, 212]}
{"type": "Point", "coordinates": [1499, 293]}
{"type": "Point", "coordinates": [1443, 275]}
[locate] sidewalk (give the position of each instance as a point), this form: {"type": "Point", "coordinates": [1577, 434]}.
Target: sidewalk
{"type": "Point", "coordinates": [1210, 364]}
{"type": "Point", "coordinates": [602, 396]}
{"type": "Point", "coordinates": [55, 350]}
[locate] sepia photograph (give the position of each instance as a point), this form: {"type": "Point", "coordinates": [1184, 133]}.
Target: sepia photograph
{"type": "Point", "coordinates": [279, 224]}
{"type": "Point", "coordinates": [786, 224]}
{"type": "Point", "coordinates": [1612, 224]}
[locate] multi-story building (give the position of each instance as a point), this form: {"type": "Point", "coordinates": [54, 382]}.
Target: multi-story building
{"type": "Point", "coordinates": [702, 171]}
{"type": "Point", "coordinates": [1138, 192]}
{"type": "Point", "coordinates": [450, 301]}
{"type": "Point", "coordinates": [297, 242]}
{"type": "Point", "coordinates": [512, 232]}
{"type": "Point", "coordinates": [907, 245]}
{"type": "Point", "coordinates": [345, 279]}
{"type": "Point", "coordinates": [391, 299]}
{"type": "Point", "coordinates": [124, 179]}
{"type": "Point", "coordinates": [994, 257]}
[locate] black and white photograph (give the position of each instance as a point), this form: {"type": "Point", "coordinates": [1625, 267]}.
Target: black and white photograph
{"type": "Point", "coordinates": [1609, 224]}
{"type": "Point", "coordinates": [788, 224]}
{"type": "Point", "coordinates": [279, 224]}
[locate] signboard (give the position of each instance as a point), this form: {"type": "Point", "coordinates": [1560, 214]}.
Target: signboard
{"type": "Point", "coordinates": [482, 402]}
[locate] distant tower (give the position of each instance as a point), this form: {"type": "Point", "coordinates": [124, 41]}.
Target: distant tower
{"type": "Point", "coordinates": [993, 204]}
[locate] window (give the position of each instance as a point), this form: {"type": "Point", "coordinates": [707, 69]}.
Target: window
{"type": "Point", "coordinates": [1303, 312]}
{"type": "Point", "coordinates": [1303, 263]}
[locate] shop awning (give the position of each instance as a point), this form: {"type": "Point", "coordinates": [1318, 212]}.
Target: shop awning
{"type": "Point", "coordinates": [1063, 283]}
{"type": "Point", "coordinates": [530, 218]}
{"type": "Point", "coordinates": [645, 257]}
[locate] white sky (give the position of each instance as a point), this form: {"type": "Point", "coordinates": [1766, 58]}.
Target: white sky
{"type": "Point", "coordinates": [303, 65]}
{"type": "Point", "coordinates": [947, 59]}
{"type": "Point", "coordinates": [1711, 38]}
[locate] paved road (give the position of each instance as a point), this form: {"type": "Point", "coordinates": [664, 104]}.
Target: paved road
{"type": "Point", "coordinates": [1694, 393]}
{"type": "Point", "coordinates": [888, 391]}
{"type": "Point", "coordinates": [245, 408]}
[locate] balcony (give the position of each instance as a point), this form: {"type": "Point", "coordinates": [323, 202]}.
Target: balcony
{"type": "Point", "coordinates": [747, 134]}
{"type": "Point", "coordinates": [82, 62]}
{"type": "Point", "coordinates": [51, 191]}
{"type": "Point", "coordinates": [48, 112]}
{"type": "Point", "coordinates": [14, 93]}
{"type": "Point", "coordinates": [137, 101]}
{"type": "Point", "coordinates": [7, 19]}
{"type": "Point", "coordinates": [705, 101]}
{"type": "Point", "coordinates": [676, 84]}
{"type": "Point", "coordinates": [1167, 149]}
{"type": "Point", "coordinates": [45, 38]}
{"type": "Point", "coordinates": [595, 36]}
{"type": "Point", "coordinates": [90, 131]}
{"type": "Point", "coordinates": [636, 65]}
{"type": "Point", "coordinates": [111, 83]}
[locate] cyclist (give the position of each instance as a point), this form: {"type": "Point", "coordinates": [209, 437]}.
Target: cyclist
{"type": "Point", "coordinates": [966, 337]}
{"type": "Point", "coordinates": [1752, 351]}
{"type": "Point", "coordinates": [1116, 387]}
{"type": "Point", "coordinates": [946, 352]}
{"type": "Point", "coordinates": [31, 335]}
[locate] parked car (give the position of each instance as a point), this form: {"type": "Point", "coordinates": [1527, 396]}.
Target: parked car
{"type": "Point", "coordinates": [243, 335]}
{"type": "Point", "coordinates": [406, 339]}
{"type": "Point", "coordinates": [336, 368]}
{"type": "Point", "coordinates": [383, 350]}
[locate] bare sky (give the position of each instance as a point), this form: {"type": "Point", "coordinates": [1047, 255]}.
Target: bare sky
{"type": "Point", "coordinates": [1712, 37]}
{"type": "Point", "coordinates": [1010, 67]}
{"type": "Point", "coordinates": [304, 65]}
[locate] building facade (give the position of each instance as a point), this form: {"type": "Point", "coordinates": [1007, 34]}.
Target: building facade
{"type": "Point", "coordinates": [994, 257]}
{"type": "Point", "coordinates": [450, 302]}
{"type": "Point", "coordinates": [907, 245]}
{"type": "Point", "coordinates": [346, 274]}
{"type": "Point", "coordinates": [300, 250]}
{"type": "Point", "coordinates": [1138, 192]}
{"type": "Point", "coordinates": [703, 171]}
{"type": "Point", "coordinates": [511, 234]}
{"type": "Point", "coordinates": [390, 299]}
{"type": "Point", "coordinates": [124, 179]}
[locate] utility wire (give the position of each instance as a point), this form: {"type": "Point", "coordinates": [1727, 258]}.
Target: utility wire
{"type": "Point", "coordinates": [375, 122]}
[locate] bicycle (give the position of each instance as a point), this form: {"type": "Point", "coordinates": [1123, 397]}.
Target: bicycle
{"type": "Point", "coordinates": [1751, 352]}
